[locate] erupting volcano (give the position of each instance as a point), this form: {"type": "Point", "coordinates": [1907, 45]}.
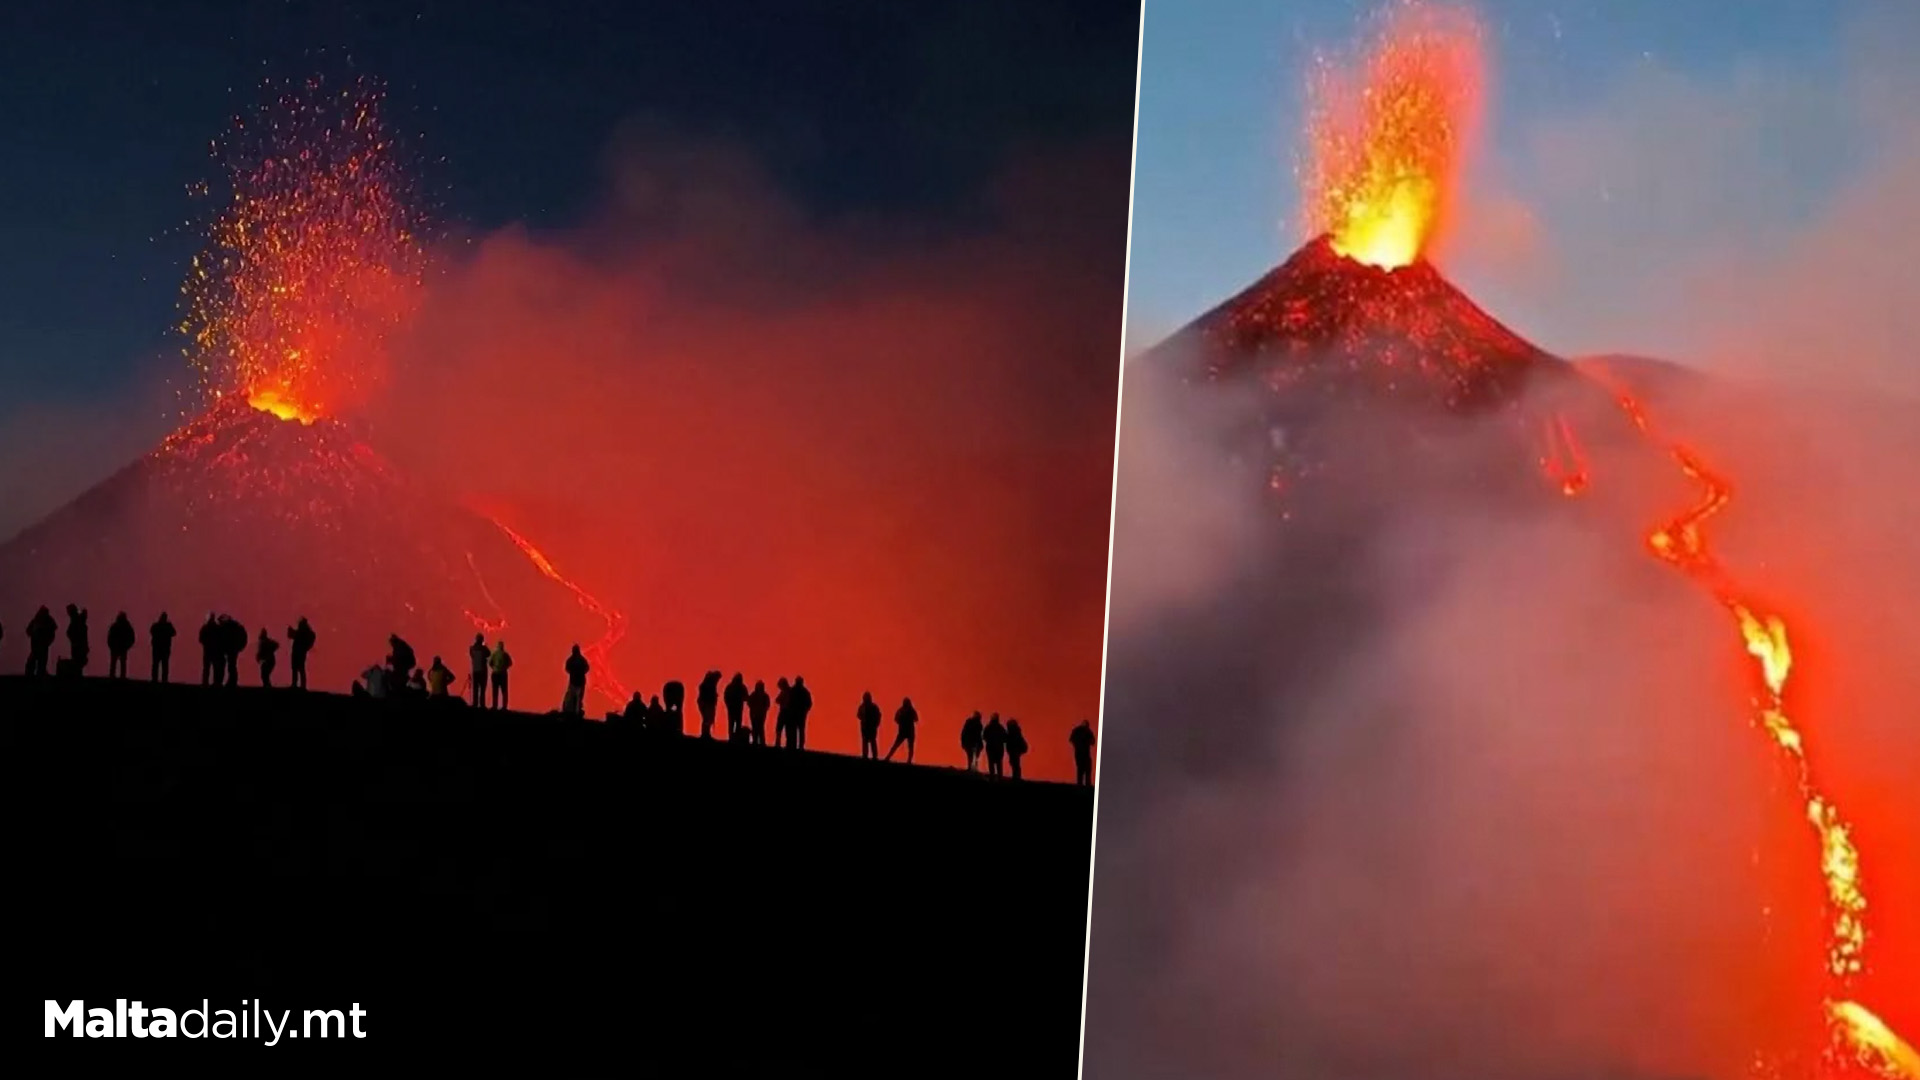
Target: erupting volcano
{"type": "Point", "coordinates": [267, 502]}
{"type": "Point", "coordinates": [1360, 322]}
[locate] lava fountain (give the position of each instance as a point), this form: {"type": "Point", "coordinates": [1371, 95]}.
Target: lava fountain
{"type": "Point", "coordinates": [1389, 133]}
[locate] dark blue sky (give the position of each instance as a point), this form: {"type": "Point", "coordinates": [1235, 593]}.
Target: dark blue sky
{"type": "Point", "coordinates": [107, 108]}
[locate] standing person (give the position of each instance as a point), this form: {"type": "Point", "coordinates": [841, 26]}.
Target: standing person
{"type": "Point", "coordinates": [802, 699]}
{"type": "Point", "coordinates": [1016, 746]}
{"type": "Point", "coordinates": [904, 721]}
{"type": "Point", "coordinates": [41, 630]}
{"type": "Point", "coordinates": [477, 654]}
{"type": "Point", "coordinates": [758, 703]}
{"type": "Point", "coordinates": [439, 677]}
{"type": "Point", "coordinates": [211, 670]}
{"type": "Point", "coordinates": [736, 699]}
{"type": "Point", "coordinates": [869, 716]}
{"type": "Point", "coordinates": [994, 738]}
{"type": "Point", "coordinates": [160, 642]}
{"type": "Point", "coordinates": [301, 637]}
{"type": "Point", "coordinates": [266, 654]}
{"type": "Point", "coordinates": [782, 711]}
{"type": "Point", "coordinates": [575, 703]}
{"type": "Point", "coordinates": [79, 648]}
{"type": "Point", "coordinates": [707, 699]}
{"type": "Point", "coordinates": [497, 666]}
{"type": "Point", "coordinates": [970, 738]}
{"type": "Point", "coordinates": [1082, 740]}
{"type": "Point", "coordinates": [675, 694]}
{"type": "Point", "coordinates": [120, 639]}
{"type": "Point", "coordinates": [234, 642]}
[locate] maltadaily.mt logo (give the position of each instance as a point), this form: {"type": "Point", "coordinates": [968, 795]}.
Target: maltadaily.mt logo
{"type": "Point", "coordinates": [132, 1019]}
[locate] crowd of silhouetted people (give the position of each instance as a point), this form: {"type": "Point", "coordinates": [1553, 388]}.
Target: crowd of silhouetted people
{"type": "Point", "coordinates": [224, 641]}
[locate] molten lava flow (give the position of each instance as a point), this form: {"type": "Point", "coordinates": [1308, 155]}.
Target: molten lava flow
{"type": "Point", "coordinates": [316, 256]}
{"type": "Point", "coordinates": [601, 678]}
{"type": "Point", "coordinates": [1857, 1034]}
{"type": "Point", "coordinates": [1388, 136]}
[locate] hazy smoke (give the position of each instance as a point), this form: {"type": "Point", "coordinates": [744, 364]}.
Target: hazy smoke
{"type": "Point", "coordinates": [872, 452]}
{"type": "Point", "coordinates": [1460, 790]}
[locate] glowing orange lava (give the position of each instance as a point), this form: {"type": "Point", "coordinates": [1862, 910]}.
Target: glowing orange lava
{"type": "Point", "coordinates": [269, 401]}
{"type": "Point", "coordinates": [1857, 1034]}
{"type": "Point", "coordinates": [1388, 135]}
{"type": "Point", "coordinates": [316, 256]}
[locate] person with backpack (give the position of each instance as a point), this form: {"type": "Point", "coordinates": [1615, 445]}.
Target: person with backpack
{"type": "Point", "coordinates": [1016, 746]}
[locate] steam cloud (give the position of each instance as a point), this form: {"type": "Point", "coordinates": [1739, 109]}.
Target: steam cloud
{"type": "Point", "coordinates": [1451, 790]}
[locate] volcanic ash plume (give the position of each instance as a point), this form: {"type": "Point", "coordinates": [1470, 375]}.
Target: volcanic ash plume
{"type": "Point", "coordinates": [1427, 762]}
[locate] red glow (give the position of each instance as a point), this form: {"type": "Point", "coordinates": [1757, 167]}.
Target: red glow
{"type": "Point", "coordinates": [1859, 1039]}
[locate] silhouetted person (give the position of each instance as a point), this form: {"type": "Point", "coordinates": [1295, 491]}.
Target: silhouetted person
{"type": "Point", "coordinates": [1016, 746]}
{"type": "Point", "coordinates": [79, 648]}
{"type": "Point", "coordinates": [1082, 740]}
{"type": "Point", "coordinates": [401, 659]}
{"type": "Point", "coordinates": [994, 737]}
{"type": "Point", "coordinates": [234, 641]}
{"type": "Point", "coordinates": [707, 698]}
{"type": "Point", "coordinates": [736, 699]}
{"type": "Point", "coordinates": [417, 683]}
{"type": "Point", "coordinates": [41, 630]}
{"type": "Point", "coordinates": [782, 712]}
{"type": "Point", "coordinates": [439, 677]}
{"type": "Point", "coordinates": [497, 667]}
{"type": "Point", "coordinates": [758, 703]}
{"type": "Point", "coordinates": [657, 716]}
{"type": "Point", "coordinates": [119, 644]}
{"type": "Point", "coordinates": [970, 741]}
{"type": "Point", "coordinates": [266, 654]}
{"type": "Point", "coordinates": [477, 654]}
{"type": "Point", "coordinates": [160, 643]}
{"type": "Point", "coordinates": [375, 678]}
{"type": "Point", "coordinates": [675, 696]}
{"type": "Point", "coordinates": [575, 703]}
{"type": "Point", "coordinates": [905, 719]}
{"type": "Point", "coordinates": [801, 699]}
{"type": "Point", "coordinates": [300, 639]}
{"type": "Point", "coordinates": [211, 669]}
{"type": "Point", "coordinates": [635, 714]}
{"type": "Point", "coordinates": [869, 716]}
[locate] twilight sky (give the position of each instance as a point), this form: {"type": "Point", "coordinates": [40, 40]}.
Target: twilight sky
{"type": "Point", "coordinates": [108, 106]}
{"type": "Point", "coordinates": [1653, 173]}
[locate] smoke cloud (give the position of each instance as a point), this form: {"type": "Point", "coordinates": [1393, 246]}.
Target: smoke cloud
{"type": "Point", "coordinates": [871, 452]}
{"type": "Point", "coordinates": [1436, 786]}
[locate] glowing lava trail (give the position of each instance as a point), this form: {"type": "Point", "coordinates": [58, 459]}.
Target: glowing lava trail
{"type": "Point", "coordinates": [1856, 1033]}
{"type": "Point", "coordinates": [1389, 135]}
{"type": "Point", "coordinates": [601, 678]}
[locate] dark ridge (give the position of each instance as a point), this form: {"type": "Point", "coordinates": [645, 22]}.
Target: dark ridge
{"type": "Point", "coordinates": [495, 887]}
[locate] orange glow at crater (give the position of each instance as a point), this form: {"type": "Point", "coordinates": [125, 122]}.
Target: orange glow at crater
{"type": "Point", "coordinates": [273, 403]}
{"type": "Point", "coordinates": [1388, 134]}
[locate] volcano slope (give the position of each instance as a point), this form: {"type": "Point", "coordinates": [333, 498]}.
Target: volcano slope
{"type": "Point", "coordinates": [1369, 372]}
{"type": "Point", "coordinates": [270, 520]}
